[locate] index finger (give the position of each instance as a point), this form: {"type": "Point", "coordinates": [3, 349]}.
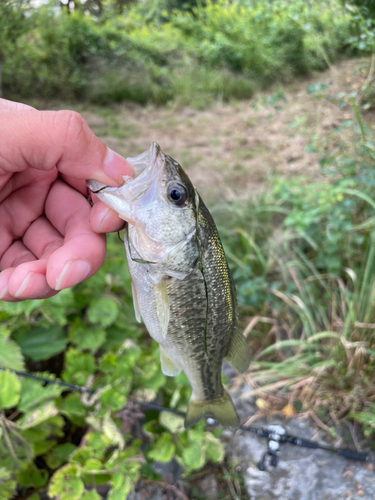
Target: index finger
{"type": "Point", "coordinates": [43, 139]}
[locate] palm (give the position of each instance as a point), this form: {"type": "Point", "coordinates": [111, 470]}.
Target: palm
{"type": "Point", "coordinates": [49, 233]}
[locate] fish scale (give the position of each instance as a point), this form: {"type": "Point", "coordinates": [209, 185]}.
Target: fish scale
{"type": "Point", "coordinates": [181, 282]}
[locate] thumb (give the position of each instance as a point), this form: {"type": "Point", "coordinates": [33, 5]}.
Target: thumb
{"type": "Point", "coordinates": [45, 139]}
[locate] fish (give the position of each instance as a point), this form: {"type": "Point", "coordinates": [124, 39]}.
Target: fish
{"type": "Point", "coordinates": [181, 283]}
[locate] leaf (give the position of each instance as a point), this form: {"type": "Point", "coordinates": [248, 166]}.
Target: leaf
{"type": "Point", "coordinates": [78, 367]}
{"type": "Point", "coordinates": [289, 410]}
{"type": "Point", "coordinates": [91, 495]}
{"type": "Point", "coordinates": [73, 408]}
{"type": "Point", "coordinates": [66, 483]}
{"type": "Point", "coordinates": [121, 487]}
{"type": "Point", "coordinates": [43, 343]}
{"type": "Point", "coordinates": [7, 485]}
{"type": "Point", "coordinates": [10, 388]}
{"type": "Point", "coordinates": [173, 423]}
{"type": "Point", "coordinates": [60, 455]}
{"type": "Point", "coordinates": [193, 456]}
{"type": "Point", "coordinates": [10, 355]}
{"type": "Point", "coordinates": [32, 477]}
{"type": "Point", "coordinates": [215, 449]}
{"type": "Point", "coordinates": [84, 337]}
{"type": "Point", "coordinates": [37, 416]}
{"type": "Point", "coordinates": [102, 311]}
{"type": "Point", "coordinates": [164, 449]}
{"type": "Point", "coordinates": [34, 393]}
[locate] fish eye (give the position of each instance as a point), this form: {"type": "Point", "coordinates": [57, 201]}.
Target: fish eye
{"type": "Point", "coordinates": [177, 194]}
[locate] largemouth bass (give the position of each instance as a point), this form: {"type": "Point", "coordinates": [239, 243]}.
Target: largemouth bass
{"type": "Point", "coordinates": [181, 283]}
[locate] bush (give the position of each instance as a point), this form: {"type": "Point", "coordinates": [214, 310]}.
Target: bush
{"type": "Point", "coordinates": [222, 49]}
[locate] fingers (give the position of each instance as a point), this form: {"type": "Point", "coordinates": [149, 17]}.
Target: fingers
{"type": "Point", "coordinates": [83, 251]}
{"type": "Point", "coordinates": [6, 105]}
{"type": "Point", "coordinates": [104, 219]}
{"type": "Point", "coordinates": [28, 280]}
{"type": "Point", "coordinates": [43, 139]}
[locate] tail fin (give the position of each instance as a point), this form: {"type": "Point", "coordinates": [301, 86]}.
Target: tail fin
{"type": "Point", "coordinates": [221, 409]}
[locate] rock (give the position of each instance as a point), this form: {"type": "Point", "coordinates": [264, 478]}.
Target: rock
{"type": "Point", "coordinates": [301, 473]}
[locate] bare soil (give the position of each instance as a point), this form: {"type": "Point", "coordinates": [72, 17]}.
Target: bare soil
{"type": "Point", "coordinates": [231, 150]}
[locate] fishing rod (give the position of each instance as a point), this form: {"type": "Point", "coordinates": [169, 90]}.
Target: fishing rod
{"type": "Point", "coordinates": [275, 434]}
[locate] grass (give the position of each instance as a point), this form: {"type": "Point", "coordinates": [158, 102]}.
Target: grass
{"type": "Point", "coordinates": [303, 258]}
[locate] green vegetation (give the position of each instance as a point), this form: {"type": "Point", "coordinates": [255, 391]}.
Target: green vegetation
{"type": "Point", "coordinates": [152, 52]}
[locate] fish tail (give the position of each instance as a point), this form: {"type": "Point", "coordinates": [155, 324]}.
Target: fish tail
{"type": "Point", "coordinates": [222, 410]}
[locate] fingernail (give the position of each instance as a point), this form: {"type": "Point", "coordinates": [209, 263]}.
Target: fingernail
{"type": "Point", "coordinates": [3, 292]}
{"type": "Point", "coordinates": [38, 280]}
{"type": "Point", "coordinates": [24, 284]}
{"type": "Point", "coordinates": [116, 166]}
{"type": "Point", "coordinates": [104, 218]}
{"type": "Point", "coordinates": [73, 272]}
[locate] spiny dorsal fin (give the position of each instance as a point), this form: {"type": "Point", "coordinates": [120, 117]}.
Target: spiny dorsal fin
{"type": "Point", "coordinates": [162, 306]}
{"type": "Point", "coordinates": [238, 353]}
{"type": "Point", "coordinates": [168, 365]}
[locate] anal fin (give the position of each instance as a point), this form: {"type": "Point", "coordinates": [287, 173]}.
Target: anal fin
{"type": "Point", "coordinates": [162, 306]}
{"type": "Point", "coordinates": [222, 410]}
{"type": "Point", "coordinates": [238, 354]}
{"type": "Point", "coordinates": [168, 365]}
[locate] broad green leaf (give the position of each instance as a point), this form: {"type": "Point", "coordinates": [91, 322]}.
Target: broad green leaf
{"type": "Point", "coordinates": [114, 399]}
{"type": "Point", "coordinates": [163, 449]}
{"type": "Point", "coordinates": [32, 477]}
{"type": "Point", "coordinates": [193, 456]}
{"type": "Point", "coordinates": [33, 392]}
{"type": "Point", "coordinates": [121, 487]}
{"type": "Point", "coordinates": [78, 367]}
{"type": "Point", "coordinates": [43, 437]}
{"type": "Point", "coordinates": [215, 449]}
{"type": "Point", "coordinates": [87, 337]}
{"type": "Point", "coordinates": [7, 485]}
{"type": "Point", "coordinates": [59, 455]}
{"type": "Point", "coordinates": [10, 355]}
{"type": "Point", "coordinates": [5, 331]}
{"type": "Point", "coordinates": [43, 343]}
{"type": "Point", "coordinates": [10, 388]}
{"type": "Point", "coordinates": [36, 417]}
{"type": "Point", "coordinates": [73, 408]}
{"type": "Point", "coordinates": [102, 311]}
{"type": "Point", "coordinates": [66, 483]}
{"type": "Point", "coordinates": [173, 423]}
{"type": "Point", "coordinates": [91, 495]}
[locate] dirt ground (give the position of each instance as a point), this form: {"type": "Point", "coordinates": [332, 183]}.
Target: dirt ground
{"type": "Point", "coordinates": [230, 150]}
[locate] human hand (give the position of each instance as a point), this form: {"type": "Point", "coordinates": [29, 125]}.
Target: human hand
{"type": "Point", "coordinates": [49, 234]}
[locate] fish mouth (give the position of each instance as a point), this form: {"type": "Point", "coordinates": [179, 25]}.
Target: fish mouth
{"type": "Point", "coordinates": [144, 163]}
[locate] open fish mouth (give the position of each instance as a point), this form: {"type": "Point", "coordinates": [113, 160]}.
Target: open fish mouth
{"type": "Point", "coordinates": [146, 163]}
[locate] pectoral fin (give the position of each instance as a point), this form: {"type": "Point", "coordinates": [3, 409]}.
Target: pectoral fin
{"type": "Point", "coordinates": [162, 306]}
{"type": "Point", "coordinates": [168, 365]}
{"type": "Point", "coordinates": [238, 354]}
{"type": "Point", "coordinates": [136, 304]}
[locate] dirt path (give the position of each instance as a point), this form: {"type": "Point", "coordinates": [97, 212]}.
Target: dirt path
{"type": "Point", "coordinates": [230, 150]}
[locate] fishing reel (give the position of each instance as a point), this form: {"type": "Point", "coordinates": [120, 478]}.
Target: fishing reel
{"type": "Point", "coordinates": [275, 434]}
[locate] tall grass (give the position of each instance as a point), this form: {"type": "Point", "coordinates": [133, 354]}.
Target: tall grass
{"type": "Point", "coordinates": [303, 258]}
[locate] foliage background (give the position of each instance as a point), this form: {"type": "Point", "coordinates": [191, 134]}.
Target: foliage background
{"type": "Point", "coordinates": [302, 252]}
